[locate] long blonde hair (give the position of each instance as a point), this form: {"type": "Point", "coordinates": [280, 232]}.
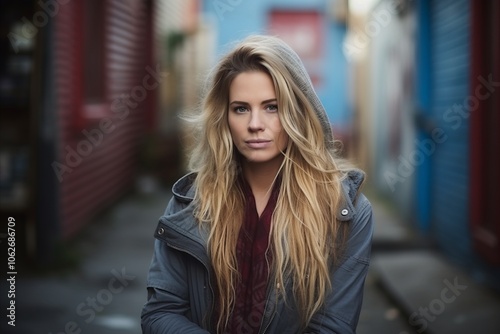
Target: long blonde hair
{"type": "Point", "coordinates": [304, 237]}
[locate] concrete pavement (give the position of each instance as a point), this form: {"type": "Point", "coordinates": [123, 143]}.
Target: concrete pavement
{"type": "Point", "coordinates": [434, 295]}
{"type": "Point", "coordinates": [106, 291]}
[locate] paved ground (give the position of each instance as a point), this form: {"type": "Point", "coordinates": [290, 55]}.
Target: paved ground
{"type": "Point", "coordinates": [106, 291]}
{"type": "Point", "coordinates": [381, 314]}
{"type": "Point", "coordinates": [432, 294]}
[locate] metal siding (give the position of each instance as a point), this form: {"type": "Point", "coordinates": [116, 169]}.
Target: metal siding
{"type": "Point", "coordinates": [423, 110]}
{"type": "Point", "coordinates": [110, 168]}
{"type": "Point", "coordinates": [450, 45]}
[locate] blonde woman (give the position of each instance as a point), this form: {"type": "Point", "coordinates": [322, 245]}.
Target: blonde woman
{"type": "Point", "coordinates": [269, 233]}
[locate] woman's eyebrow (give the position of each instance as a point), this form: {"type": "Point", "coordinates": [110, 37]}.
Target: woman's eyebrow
{"type": "Point", "coordinates": [238, 102]}
{"type": "Point", "coordinates": [246, 103]}
{"type": "Point", "coordinates": [269, 101]}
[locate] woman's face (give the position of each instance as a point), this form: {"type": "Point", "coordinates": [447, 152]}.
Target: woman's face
{"type": "Point", "coordinates": [253, 119]}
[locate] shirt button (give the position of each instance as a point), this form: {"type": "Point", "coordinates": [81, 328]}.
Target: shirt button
{"type": "Point", "coordinates": [161, 231]}
{"type": "Point", "coordinates": [344, 212]}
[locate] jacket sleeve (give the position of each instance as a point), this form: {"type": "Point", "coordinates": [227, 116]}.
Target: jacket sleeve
{"type": "Point", "coordinates": [342, 307]}
{"type": "Point", "coordinates": [168, 303]}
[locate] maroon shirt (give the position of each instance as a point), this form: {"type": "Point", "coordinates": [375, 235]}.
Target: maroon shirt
{"type": "Point", "coordinates": [253, 265]}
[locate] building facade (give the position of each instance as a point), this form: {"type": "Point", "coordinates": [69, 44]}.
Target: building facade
{"type": "Point", "coordinates": [85, 110]}
{"type": "Point", "coordinates": [433, 115]}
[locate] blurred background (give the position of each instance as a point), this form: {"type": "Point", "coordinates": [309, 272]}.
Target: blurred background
{"type": "Point", "coordinates": [90, 143]}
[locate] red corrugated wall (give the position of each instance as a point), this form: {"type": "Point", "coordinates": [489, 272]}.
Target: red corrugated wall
{"type": "Point", "coordinates": [107, 166]}
{"type": "Point", "coordinates": [484, 136]}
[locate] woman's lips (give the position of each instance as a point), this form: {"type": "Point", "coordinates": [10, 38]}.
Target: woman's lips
{"type": "Point", "coordinates": [258, 143]}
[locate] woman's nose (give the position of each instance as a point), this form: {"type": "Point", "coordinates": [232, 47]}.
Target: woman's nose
{"type": "Point", "coordinates": [255, 123]}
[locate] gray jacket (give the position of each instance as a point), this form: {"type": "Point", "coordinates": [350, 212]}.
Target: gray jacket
{"type": "Point", "coordinates": [180, 286]}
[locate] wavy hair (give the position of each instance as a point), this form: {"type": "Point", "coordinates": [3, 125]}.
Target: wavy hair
{"type": "Point", "coordinates": [305, 236]}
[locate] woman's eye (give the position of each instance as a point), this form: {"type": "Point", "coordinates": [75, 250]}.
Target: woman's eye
{"type": "Point", "coordinates": [272, 107]}
{"type": "Point", "coordinates": [240, 109]}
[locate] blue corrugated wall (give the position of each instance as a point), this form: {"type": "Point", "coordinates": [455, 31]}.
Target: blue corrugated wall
{"type": "Point", "coordinates": [450, 65]}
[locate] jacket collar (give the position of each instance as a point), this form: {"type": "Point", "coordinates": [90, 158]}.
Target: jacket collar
{"type": "Point", "coordinates": [351, 186]}
{"type": "Point", "coordinates": [177, 226]}
{"type": "Point", "coordinates": [183, 190]}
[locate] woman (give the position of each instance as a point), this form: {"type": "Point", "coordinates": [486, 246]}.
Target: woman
{"type": "Point", "coordinates": [269, 233]}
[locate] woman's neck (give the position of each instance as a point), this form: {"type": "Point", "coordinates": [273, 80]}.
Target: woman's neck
{"type": "Point", "coordinates": [261, 177]}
